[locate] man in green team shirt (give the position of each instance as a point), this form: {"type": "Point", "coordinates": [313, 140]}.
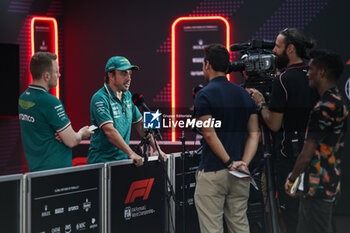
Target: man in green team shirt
{"type": "Point", "coordinates": [42, 118]}
{"type": "Point", "coordinates": [113, 111]}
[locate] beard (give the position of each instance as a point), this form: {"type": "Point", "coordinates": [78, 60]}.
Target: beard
{"type": "Point", "coordinates": [282, 60]}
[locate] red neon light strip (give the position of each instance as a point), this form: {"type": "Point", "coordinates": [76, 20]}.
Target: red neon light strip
{"type": "Point", "coordinates": [53, 20]}
{"type": "Point", "coordinates": [173, 55]}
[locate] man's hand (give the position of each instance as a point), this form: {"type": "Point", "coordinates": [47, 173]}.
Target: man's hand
{"type": "Point", "coordinates": [58, 138]}
{"type": "Point", "coordinates": [236, 164]}
{"type": "Point", "coordinates": [287, 187]}
{"type": "Point", "coordinates": [242, 166]}
{"type": "Point", "coordinates": [137, 159]}
{"type": "Point", "coordinates": [164, 156]}
{"type": "Point", "coordinates": [256, 96]}
{"type": "Point", "coordinates": [85, 132]}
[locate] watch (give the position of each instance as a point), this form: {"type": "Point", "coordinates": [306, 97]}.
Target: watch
{"type": "Point", "coordinates": [228, 163]}
{"type": "Point", "coordinates": [260, 107]}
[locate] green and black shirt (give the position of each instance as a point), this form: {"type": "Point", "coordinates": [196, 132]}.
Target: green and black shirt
{"type": "Point", "coordinates": [41, 115]}
{"type": "Point", "coordinates": [106, 108]}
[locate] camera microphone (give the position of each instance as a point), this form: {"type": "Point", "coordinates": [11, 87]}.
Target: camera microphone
{"type": "Point", "coordinates": [239, 47]}
{"type": "Point", "coordinates": [264, 44]}
{"type": "Point", "coordinates": [256, 43]}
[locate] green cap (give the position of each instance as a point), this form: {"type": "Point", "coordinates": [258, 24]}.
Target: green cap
{"type": "Point", "coordinates": [119, 63]}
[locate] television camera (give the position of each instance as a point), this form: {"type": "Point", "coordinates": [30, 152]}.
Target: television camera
{"type": "Point", "coordinates": [257, 64]}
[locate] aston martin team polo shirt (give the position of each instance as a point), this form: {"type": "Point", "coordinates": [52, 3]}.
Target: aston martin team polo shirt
{"type": "Point", "coordinates": [106, 108]}
{"type": "Point", "coordinates": [41, 115]}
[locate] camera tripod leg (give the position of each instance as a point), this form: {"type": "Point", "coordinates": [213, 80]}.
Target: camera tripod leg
{"type": "Point", "coordinates": [271, 195]}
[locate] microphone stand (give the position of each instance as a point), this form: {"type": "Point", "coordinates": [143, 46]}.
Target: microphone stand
{"type": "Point", "coordinates": [138, 100]}
{"type": "Point", "coordinates": [145, 145]}
{"type": "Point", "coordinates": [146, 142]}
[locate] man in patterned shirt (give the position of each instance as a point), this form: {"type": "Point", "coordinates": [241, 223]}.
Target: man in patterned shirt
{"type": "Point", "coordinates": [320, 156]}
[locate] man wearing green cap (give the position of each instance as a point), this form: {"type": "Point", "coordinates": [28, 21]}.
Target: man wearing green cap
{"type": "Point", "coordinates": [113, 111]}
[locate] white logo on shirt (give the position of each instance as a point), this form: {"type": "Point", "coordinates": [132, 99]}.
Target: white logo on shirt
{"type": "Point", "coordinates": [27, 118]}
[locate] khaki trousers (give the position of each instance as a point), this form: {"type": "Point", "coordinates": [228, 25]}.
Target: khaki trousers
{"type": "Point", "coordinates": [219, 194]}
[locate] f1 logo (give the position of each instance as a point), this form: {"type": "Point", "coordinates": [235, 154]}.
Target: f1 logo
{"type": "Point", "coordinates": [140, 188]}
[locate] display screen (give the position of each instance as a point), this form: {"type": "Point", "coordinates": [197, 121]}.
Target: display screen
{"type": "Point", "coordinates": [190, 36]}
{"type": "Point", "coordinates": [45, 39]}
{"type": "Point", "coordinates": [44, 36]}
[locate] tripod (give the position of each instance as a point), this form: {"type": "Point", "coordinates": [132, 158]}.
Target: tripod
{"type": "Point", "coordinates": [271, 190]}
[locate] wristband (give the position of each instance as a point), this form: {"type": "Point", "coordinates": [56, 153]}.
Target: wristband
{"type": "Point", "coordinates": [290, 184]}
{"type": "Point", "coordinates": [260, 107]}
{"type": "Point", "coordinates": [291, 180]}
{"type": "Point", "coordinates": [230, 166]}
{"type": "Point", "coordinates": [228, 163]}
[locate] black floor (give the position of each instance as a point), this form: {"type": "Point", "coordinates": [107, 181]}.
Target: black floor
{"type": "Point", "coordinates": [342, 224]}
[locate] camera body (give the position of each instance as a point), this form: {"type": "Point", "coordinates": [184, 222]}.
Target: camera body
{"type": "Point", "coordinates": [257, 57]}
{"type": "Point", "coordinates": [257, 64]}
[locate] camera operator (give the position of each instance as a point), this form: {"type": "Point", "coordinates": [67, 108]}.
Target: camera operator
{"type": "Point", "coordinates": [290, 103]}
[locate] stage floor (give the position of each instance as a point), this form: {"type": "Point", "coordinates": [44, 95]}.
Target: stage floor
{"type": "Point", "coordinates": [342, 224]}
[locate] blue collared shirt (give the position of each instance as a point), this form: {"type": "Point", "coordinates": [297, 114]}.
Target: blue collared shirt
{"type": "Point", "coordinates": [232, 105]}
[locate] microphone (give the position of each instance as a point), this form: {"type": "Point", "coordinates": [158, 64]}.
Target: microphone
{"type": "Point", "coordinates": [138, 100]}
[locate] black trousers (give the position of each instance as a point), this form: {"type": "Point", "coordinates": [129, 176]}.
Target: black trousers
{"type": "Point", "coordinates": [315, 215]}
